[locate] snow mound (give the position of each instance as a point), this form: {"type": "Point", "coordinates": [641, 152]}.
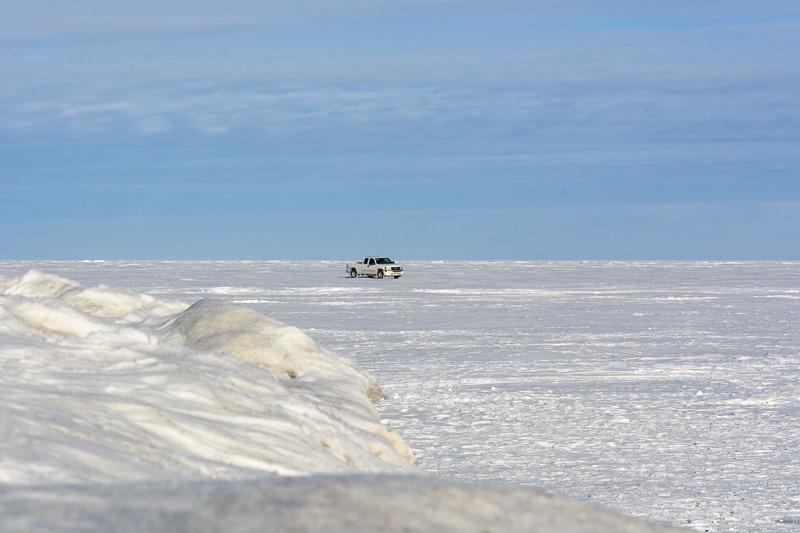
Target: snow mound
{"type": "Point", "coordinates": [105, 385]}
{"type": "Point", "coordinates": [216, 326]}
{"type": "Point", "coordinates": [313, 504]}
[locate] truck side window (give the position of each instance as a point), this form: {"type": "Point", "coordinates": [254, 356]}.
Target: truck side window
{"type": "Point", "coordinates": [371, 262]}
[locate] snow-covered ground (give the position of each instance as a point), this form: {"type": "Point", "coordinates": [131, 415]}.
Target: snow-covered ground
{"type": "Point", "coordinates": [669, 391]}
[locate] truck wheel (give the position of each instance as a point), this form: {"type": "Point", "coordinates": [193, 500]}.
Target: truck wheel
{"type": "Point", "coordinates": [397, 277]}
{"type": "Point", "coordinates": [353, 273]}
{"type": "Point", "coordinates": [380, 274]}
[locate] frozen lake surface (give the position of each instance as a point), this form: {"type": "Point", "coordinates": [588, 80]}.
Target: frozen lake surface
{"type": "Point", "coordinates": [667, 390]}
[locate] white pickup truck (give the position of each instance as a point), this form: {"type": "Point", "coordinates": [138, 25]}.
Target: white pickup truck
{"type": "Point", "coordinates": [374, 266]}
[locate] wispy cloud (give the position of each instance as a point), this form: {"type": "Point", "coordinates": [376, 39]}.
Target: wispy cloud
{"type": "Point", "coordinates": [541, 115]}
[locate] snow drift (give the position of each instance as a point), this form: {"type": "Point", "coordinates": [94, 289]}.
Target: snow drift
{"type": "Point", "coordinates": [308, 504]}
{"type": "Point", "coordinates": [121, 409]}
{"type": "Point", "coordinates": [109, 385]}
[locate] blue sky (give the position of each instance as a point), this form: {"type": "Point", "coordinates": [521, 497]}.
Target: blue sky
{"type": "Point", "coordinates": [311, 129]}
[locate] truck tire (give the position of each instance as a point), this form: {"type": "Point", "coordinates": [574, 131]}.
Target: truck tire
{"type": "Point", "coordinates": [380, 274]}
{"type": "Point", "coordinates": [353, 273]}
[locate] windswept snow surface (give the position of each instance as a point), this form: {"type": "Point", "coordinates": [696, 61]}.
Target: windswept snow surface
{"type": "Point", "coordinates": [666, 390]}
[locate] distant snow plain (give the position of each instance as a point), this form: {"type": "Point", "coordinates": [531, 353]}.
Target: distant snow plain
{"type": "Point", "coordinates": [667, 391]}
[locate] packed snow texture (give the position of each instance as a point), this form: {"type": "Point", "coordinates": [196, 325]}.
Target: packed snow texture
{"type": "Point", "coordinates": [667, 390]}
{"type": "Point", "coordinates": [121, 410]}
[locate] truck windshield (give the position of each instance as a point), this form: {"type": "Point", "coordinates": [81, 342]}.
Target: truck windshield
{"type": "Point", "coordinates": [384, 261]}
